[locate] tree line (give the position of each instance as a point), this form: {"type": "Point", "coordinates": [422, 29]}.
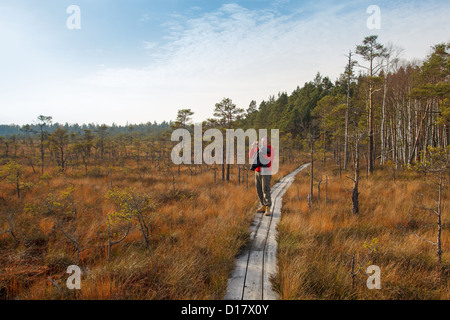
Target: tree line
{"type": "Point", "coordinates": [9, 130]}
{"type": "Point", "coordinates": [392, 108]}
{"type": "Point", "coordinates": [388, 109]}
{"type": "Point", "coordinates": [399, 107]}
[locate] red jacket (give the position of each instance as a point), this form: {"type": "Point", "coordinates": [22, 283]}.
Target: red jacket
{"type": "Point", "coordinates": [269, 157]}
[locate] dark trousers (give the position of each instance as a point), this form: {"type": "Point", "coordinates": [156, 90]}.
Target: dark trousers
{"type": "Point", "coordinates": [262, 183]}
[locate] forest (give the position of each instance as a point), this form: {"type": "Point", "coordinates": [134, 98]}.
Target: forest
{"type": "Point", "coordinates": [109, 199]}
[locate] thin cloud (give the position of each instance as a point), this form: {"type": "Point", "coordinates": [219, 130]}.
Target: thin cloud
{"type": "Point", "coordinates": [148, 45]}
{"type": "Point", "coordinates": [145, 17]}
{"type": "Point", "coordinates": [250, 54]}
{"type": "Point", "coordinates": [234, 52]}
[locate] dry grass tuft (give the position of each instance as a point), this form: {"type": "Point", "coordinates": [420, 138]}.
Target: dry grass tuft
{"type": "Point", "coordinates": [195, 232]}
{"type": "Point", "coordinates": [316, 245]}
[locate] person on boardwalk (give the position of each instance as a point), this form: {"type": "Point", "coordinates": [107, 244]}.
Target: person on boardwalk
{"type": "Point", "coordinates": [263, 173]}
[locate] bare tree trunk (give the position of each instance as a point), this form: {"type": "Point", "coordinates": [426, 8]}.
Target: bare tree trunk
{"type": "Point", "coordinates": [370, 153]}
{"type": "Point", "coordinates": [113, 243]}
{"type": "Point", "coordinates": [42, 151]}
{"type": "Point", "coordinates": [239, 174]}
{"type": "Point", "coordinates": [18, 183]}
{"type": "Point", "coordinates": [347, 111]}
{"type": "Point", "coordinates": [383, 120]}
{"type": "Point", "coordinates": [319, 182]}
{"type": "Point", "coordinates": [413, 152]}
{"type": "Point", "coordinates": [355, 192]}
{"type": "Point", "coordinates": [312, 173]}
{"type": "Point", "coordinates": [439, 214]}
{"type": "Point", "coordinates": [409, 132]}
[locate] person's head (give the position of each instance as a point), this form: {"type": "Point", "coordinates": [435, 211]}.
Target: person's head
{"type": "Point", "coordinates": [265, 142]}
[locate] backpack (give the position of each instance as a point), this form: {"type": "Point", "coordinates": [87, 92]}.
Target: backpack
{"type": "Point", "coordinates": [256, 162]}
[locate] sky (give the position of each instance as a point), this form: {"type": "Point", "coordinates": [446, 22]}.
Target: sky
{"type": "Point", "coordinates": [138, 61]}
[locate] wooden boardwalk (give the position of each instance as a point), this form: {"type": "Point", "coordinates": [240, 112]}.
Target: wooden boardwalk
{"type": "Point", "coordinates": [250, 279]}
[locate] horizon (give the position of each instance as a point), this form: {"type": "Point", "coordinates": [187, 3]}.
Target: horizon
{"type": "Point", "coordinates": [146, 59]}
{"type": "Point", "coordinates": [113, 124]}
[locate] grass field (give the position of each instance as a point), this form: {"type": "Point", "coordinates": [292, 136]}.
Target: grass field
{"type": "Point", "coordinates": [317, 245]}
{"type": "Point", "coordinates": [197, 225]}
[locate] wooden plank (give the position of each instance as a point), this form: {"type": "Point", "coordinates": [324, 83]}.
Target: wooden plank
{"type": "Point", "coordinates": [270, 269]}
{"type": "Point", "coordinates": [250, 280]}
{"type": "Point", "coordinates": [236, 281]}
{"type": "Point", "coordinates": [253, 287]}
{"type": "Point", "coordinates": [270, 254]}
{"type": "Point", "coordinates": [253, 281]}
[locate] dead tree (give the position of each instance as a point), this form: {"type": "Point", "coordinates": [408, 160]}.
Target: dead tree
{"type": "Point", "coordinates": [355, 190]}
{"type": "Point", "coordinates": [319, 183]}
{"type": "Point", "coordinates": [311, 181]}
{"type": "Point", "coordinates": [435, 165]}
{"type": "Point", "coordinates": [173, 177]}
{"type": "Point", "coordinates": [112, 243]}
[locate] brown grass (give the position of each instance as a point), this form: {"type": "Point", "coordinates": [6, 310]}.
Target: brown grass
{"type": "Point", "coordinates": [195, 234]}
{"type": "Point", "coordinates": [316, 245]}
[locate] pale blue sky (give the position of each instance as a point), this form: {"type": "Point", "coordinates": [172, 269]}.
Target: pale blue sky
{"type": "Point", "coordinates": [137, 61]}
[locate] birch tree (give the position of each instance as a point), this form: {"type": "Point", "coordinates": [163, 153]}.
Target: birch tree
{"type": "Point", "coordinates": [43, 122]}
{"type": "Point", "coordinates": [371, 51]}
